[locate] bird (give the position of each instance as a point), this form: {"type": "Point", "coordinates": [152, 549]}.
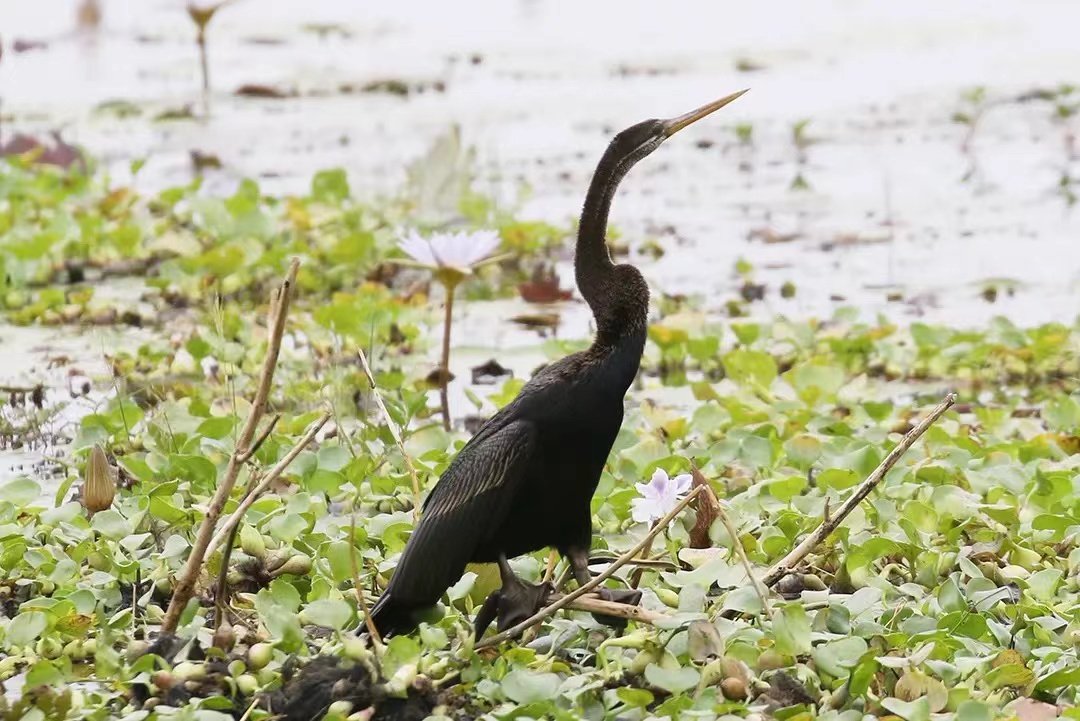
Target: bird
{"type": "Point", "coordinates": [525, 480]}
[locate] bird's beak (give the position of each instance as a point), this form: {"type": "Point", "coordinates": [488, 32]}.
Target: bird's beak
{"type": "Point", "coordinates": [674, 125]}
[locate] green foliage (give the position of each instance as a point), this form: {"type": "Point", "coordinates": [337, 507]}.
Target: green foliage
{"type": "Point", "coordinates": [951, 589]}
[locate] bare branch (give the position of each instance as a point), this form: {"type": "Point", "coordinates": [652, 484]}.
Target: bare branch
{"type": "Point", "coordinates": [591, 603]}
{"type": "Point", "coordinates": [185, 582]}
{"type": "Point", "coordinates": [394, 432]}
{"type": "Point", "coordinates": [272, 475]}
{"type": "Point", "coordinates": [782, 567]}
{"type": "Point", "coordinates": [261, 439]}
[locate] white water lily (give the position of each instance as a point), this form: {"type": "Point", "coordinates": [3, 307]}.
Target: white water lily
{"type": "Point", "coordinates": [451, 257]}
{"type": "Point", "coordinates": [659, 496]}
{"type": "Point", "coordinates": [455, 252]}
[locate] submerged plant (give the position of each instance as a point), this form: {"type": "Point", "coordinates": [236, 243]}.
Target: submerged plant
{"type": "Point", "coordinates": [451, 257]}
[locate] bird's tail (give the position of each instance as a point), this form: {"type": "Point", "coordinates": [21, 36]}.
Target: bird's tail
{"type": "Point", "coordinates": [391, 618]}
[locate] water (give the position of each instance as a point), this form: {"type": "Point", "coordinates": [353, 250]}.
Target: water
{"type": "Point", "coordinates": [553, 80]}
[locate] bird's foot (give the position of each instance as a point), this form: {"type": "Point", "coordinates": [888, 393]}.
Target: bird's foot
{"type": "Point", "coordinates": [513, 603]}
{"type": "Point", "coordinates": [628, 596]}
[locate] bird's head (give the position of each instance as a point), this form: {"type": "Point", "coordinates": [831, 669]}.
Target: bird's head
{"type": "Point", "coordinates": [639, 140]}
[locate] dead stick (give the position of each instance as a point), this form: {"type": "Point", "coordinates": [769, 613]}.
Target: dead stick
{"type": "Point", "coordinates": [261, 439]}
{"type": "Point", "coordinates": [272, 475]}
{"type": "Point", "coordinates": [600, 578]}
{"type": "Point", "coordinates": [594, 604]}
{"type": "Point", "coordinates": [368, 620]}
{"type": "Point", "coordinates": [185, 582]}
{"type": "Point", "coordinates": [782, 567]}
{"type": "Point", "coordinates": [394, 432]}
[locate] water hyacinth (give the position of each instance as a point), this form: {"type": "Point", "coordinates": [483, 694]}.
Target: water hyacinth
{"type": "Point", "coordinates": [99, 486]}
{"type": "Point", "coordinates": [451, 257]}
{"type": "Point", "coordinates": [659, 496]}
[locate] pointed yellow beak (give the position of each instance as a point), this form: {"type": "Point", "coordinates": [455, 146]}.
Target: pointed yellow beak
{"type": "Point", "coordinates": [674, 125]}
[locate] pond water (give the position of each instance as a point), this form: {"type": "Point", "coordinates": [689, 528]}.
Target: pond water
{"type": "Point", "coordinates": [539, 86]}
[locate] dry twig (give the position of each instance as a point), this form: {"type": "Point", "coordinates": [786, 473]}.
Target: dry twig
{"type": "Point", "coordinates": [394, 432]}
{"type": "Point", "coordinates": [782, 567]}
{"type": "Point", "coordinates": [569, 598]}
{"type": "Point", "coordinates": [360, 599]}
{"type": "Point", "coordinates": [591, 603]}
{"type": "Point", "coordinates": [185, 582]}
{"type": "Point", "coordinates": [272, 475]}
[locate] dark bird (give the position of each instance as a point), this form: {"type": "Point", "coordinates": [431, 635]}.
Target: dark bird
{"type": "Point", "coordinates": [525, 481]}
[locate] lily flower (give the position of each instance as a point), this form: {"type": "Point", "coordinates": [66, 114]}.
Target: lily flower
{"type": "Point", "coordinates": [451, 256]}
{"type": "Point", "coordinates": [659, 496]}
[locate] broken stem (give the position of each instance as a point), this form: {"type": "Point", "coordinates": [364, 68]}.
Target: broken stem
{"type": "Point", "coordinates": [393, 432]}
{"type": "Point", "coordinates": [368, 621]}
{"type": "Point", "coordinates": [600, 578]}
{"type": "Point", "coordinates": [782, 567]}
{"type": "Point", "coordinates": [185, 582]}
{"type": "Point", "coordinates": [272, 475]}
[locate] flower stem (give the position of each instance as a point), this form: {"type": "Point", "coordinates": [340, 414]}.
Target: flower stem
{"type": "Point", "coordinates": [444, 373]}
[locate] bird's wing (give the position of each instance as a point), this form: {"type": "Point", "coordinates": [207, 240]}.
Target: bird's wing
{"type": "Point", "coordinates": [467, 504]}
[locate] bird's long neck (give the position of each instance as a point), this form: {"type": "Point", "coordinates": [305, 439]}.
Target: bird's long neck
{"type": "Point", "coordinates": [593, 268]}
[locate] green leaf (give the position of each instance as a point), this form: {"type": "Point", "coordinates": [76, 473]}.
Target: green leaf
{"type": "Point", "coordinates": [111, 524]}
{"type": "Point", "coordinates": [330, 186]}
{"type": "Point", "coordinates": [949, 597]}
{"type": "Point", "coordinates": [974, 711]}
{"type": "Point", "coordinates": [26, 628]}
{"type": "Point", "coordinates": [1009, 674]}
{"type": "Point", "coordinates": [750, 367]}
{"type": "Point", "coordinates": [1062, 413]}
{"type": "Point", "coordinates": [523, 686]}
{"type": "Point", "coordinates": [917, 710]}
{"type": "Point", "coordinates": [400, 650]}
{"type": "Point", "coordinates": [329, 613]}
{"type": "Point", "coordinates": [636, 697]}
{"type": "Point", "coordinates": [837, 478]}
{"type": "Point", "coordinates": [1043, 584]}
{"type": "Point", "coordinates": [792, 628]}
{"type": "Point", "coordinates": [1060, 679]}
{"type": "Point", "coordinates": [20, 492]}
{"type": "Point", "coordinates": [837, 658]}
{"type": "Point", "coordinates": [674, 681]}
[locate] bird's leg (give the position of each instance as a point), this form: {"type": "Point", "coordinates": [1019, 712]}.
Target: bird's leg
{"type": "Point", "coordinates": [514, 602]}
{"type": "Point", "coordinates": [579, 561]}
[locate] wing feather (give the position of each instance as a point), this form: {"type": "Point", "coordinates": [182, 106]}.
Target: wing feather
{"type": "Point", "coordinates": [467, 503]}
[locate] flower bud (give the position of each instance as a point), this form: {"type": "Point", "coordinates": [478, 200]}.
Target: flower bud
{"type": "Point", "coordinates": [99, 487]}
{"type": "Point", "coordinates": [298, 565]}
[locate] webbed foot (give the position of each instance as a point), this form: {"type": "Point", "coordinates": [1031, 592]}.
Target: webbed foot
{"type": "Point", "coordinates": [513, 603]}
{"type": "Point", "coordinates": [629, 596]}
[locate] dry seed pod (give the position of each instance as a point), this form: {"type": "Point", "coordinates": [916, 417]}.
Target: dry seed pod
{"type": "Point", "coordinates": [99, 486]}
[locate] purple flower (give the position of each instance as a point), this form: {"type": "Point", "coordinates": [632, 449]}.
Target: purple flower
{"type": "Point", "coordinates": [659, 496]}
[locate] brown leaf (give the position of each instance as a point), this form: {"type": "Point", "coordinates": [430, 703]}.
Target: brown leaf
{"type": "Point", "coordinates": [254, 90]}
{"type": "Point", "coordinates": [543, 287]}
{"type": "Point", "coordinates": [707, 507]}
{"type": "Point", "coordinates": [487, 373]}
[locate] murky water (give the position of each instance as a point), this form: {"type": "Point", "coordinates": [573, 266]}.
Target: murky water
{"type": "Point", "coordinates": [538, 86]}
